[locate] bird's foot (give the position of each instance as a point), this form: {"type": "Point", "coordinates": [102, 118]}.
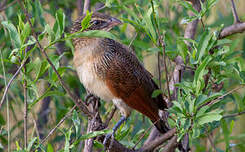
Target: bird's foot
{"type": "Point", "coordinates": [106, 139]}
{"type": "Point", "coordinates": [89, 98]}
{"type": "Point", "coordinates": [114, 129]}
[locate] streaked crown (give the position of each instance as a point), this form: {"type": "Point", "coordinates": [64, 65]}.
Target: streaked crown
{"type": "Point", "coordinates": [98, 21]}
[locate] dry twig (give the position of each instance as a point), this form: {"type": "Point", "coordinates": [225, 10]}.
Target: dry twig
{"type": "Point", "coordinates": [8, 5]}
{"type": "Point", "coordinates": [158, 141]}
{"type": "Point", "coordinates": [76, 99]}
{"type": "Point", "coordinates": [234, 114]}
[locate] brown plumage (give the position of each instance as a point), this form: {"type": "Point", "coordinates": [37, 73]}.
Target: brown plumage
{"type": "Point", "coordinates": [110, 71]}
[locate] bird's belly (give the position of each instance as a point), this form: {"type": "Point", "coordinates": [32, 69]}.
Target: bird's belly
{"type": "Point", "coordinates": [93, 83]}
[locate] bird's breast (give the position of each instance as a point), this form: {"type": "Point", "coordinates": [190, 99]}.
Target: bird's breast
{"type": "Point", "coordinates": [84, 64]}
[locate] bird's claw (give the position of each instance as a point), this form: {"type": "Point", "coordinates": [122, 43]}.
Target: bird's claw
{"type": "Point", "coordinates": [107, 137]}
{"type": "Point", "coordinates": [89, 98]}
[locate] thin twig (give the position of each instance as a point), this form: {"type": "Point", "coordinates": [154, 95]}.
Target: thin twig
{"type": "Point", "coordinates": [221, 97]}
{"type": "Point", "coordinates": [8, 118]}
{"type": "Point", "coordinates": [165, 66]}
{"type": "Point", "coordinates": [233, 29]}
{"type": "Point", "coordinates": [10, 82]}
{"type": "Point", "coordinates": [142, 136]}
{"type": "Point", "coordinates": [79, 7]}
{"type": "Point", "coordinates": [234, 114]}
{"type": "Point", "coordinates": [158, 141]}
{"type": "Point", "coordinates": [98, 9]}
{"type": "Point", "coordinates": [86, 6]}
{"type": "Point", "coordinates": [211, 142]}
{"type": "Point", "coordinates": [76, 99]}
{"type": "Point", "coordinates": [131, 42]}
{"type": "Point", "coordinates": [111, 114]}
{"type": "Point", "coordinates": [203, 26]}
{"type": "Point", "coordinates": [8, 5]}
{"type": "Point", "coordinates": [164, 51]}
{"type": "Point", "coordinates": [25, 110]}
{"type": "Point", "coordinates": [60, 122]}
{"type": "Point", "coordinates": [234, 12]}
{"type": "Point", "coordinates": [35, 126]}
{"type": "Point", "coordinates": [159, 70]}
{"type": "Point", "coordinates": [172, 144]}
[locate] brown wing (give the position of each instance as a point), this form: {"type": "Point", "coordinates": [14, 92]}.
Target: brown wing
{"type": "Point", "coordinates": [128, 79]}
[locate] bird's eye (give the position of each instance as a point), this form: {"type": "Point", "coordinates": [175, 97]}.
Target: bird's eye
{"type": "Point", "coordinates": [96, 22]}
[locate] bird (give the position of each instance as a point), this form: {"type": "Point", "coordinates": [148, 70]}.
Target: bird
{"type": "Point", "coordinates": [110, 71]}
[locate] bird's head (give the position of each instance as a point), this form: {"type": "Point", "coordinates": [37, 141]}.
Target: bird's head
{"type": "Point", "coordinates": [98, 21]}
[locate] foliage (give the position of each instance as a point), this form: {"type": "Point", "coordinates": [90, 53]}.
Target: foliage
{"type": "Point", "coordinates": [213, 62]}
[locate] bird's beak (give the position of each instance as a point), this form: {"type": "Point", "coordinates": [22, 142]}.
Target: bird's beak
{"type": "Point", "coordinates": [114, 22]}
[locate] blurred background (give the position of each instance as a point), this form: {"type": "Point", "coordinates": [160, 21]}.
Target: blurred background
{"type": "Point", "coordinates": [47, 101]}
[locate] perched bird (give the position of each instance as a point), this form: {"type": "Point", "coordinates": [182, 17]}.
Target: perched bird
{"type": "Point", "coordinates": [110, 71]}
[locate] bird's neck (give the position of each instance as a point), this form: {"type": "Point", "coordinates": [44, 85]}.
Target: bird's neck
{"type": "Point", "coordinates": [85, 42]}
{"type": "Point", "coordinates": [87, 49]}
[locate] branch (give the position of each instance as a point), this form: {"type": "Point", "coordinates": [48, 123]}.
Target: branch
{"type": "Point", "coordinates": [233, 29]}
{"type": "Point", "coordinates": [158, 141]}
{"type": "Point", "coordinates": [210, 139]}
{"type": "Point", "coordinates": [79, 7]}
{"type": "Point", "coordinates": [86, 6]}
{"type": "Point", "coordinates": [25, 110]}
{"type": "Point", "coordinates": [60, 122]}
{"type": "Point", "coordinates": [10, 82]}
{"type": "Point", "coordinates": [190, 32]}
{"type": "Point", "coordinates": [171, 145]}
{"type": "Point", "coordinates": [8, 5]}
{"type": "Point", "coordinates": [234, 12]}
{"type": "Point", "coordinates": [75, 98]}
{"type": "Point", "coordinates": [162, 44]}
{"type": "Point", "coordinates": [234, 114]}
{"type": "Point", "coordinates": [110, 115]}
{"type": "Point", "coordinates": [221, 97]}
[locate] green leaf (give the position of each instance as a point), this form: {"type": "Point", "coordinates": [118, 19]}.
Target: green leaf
{"type": "Point", "coordinates": [93, 134]}
{"type": "Point", "coordinates": [31, 143]}
{"type": "Point", "coordinates": [188, 19]}
{"type": "Point", "coordinates": [132, 13]}
{"type": "Point", "coordinates": [199, 73]}
{"type": "Point", "coordinates": [156, 93]}
{"type": "Point", "coordinates": [51, 34]}
{"type": "Point", "coordinates": [59, 25]}
{"type": "Point", "coordinates": [178, 105]}
{"type": "Point", "coordinates": [202, 111]}
{"type": "Point", "coordinates": [39, 13]}
{"type": "Point", "coordinates": [24, 28]}
{"type": "Point", "coordinates": [187, 86]}
{"type": "Point", "coordinates": [149, 28]}
{"type": "Point", "coordinates": [108, 3]}
{"type": "Point", "coordinates": [182, 49]}
{"type": "Point", "coordinates": [226, 132]}
{"type": "Point", "coordinates": [98, 144]}
{"type": "Point", "coordinates": [42, 68]}
{"type": "Point", "coordinates": [222, 42]}
{"type": "Point", "coordinates": [92, 33]}
{"type": "Point", "coordinates": [208, 117]}
{"type": "Point", "coordinates": [188, 6]}
{"type": "Point", "coordinates": [14, 35]}
{"type": "Point", "coordinates": [196, 132]}
{"type": "Point", "coordinates": [202, 99]}
{"type": "Point", "coordinates": [67, 140]}
{"type": "Point", "coordinates": [46, 94]}
{"type": "Point", "coordinates": [203, 44]}
{"type": "Point", "coordinates": [76, 122]}
{"type": "Point", "coordinates": [86, 21]}
{"type": "Point", "coordinates": [50, 148]}
{"type": "Point", "coordinates": [2, 120]}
